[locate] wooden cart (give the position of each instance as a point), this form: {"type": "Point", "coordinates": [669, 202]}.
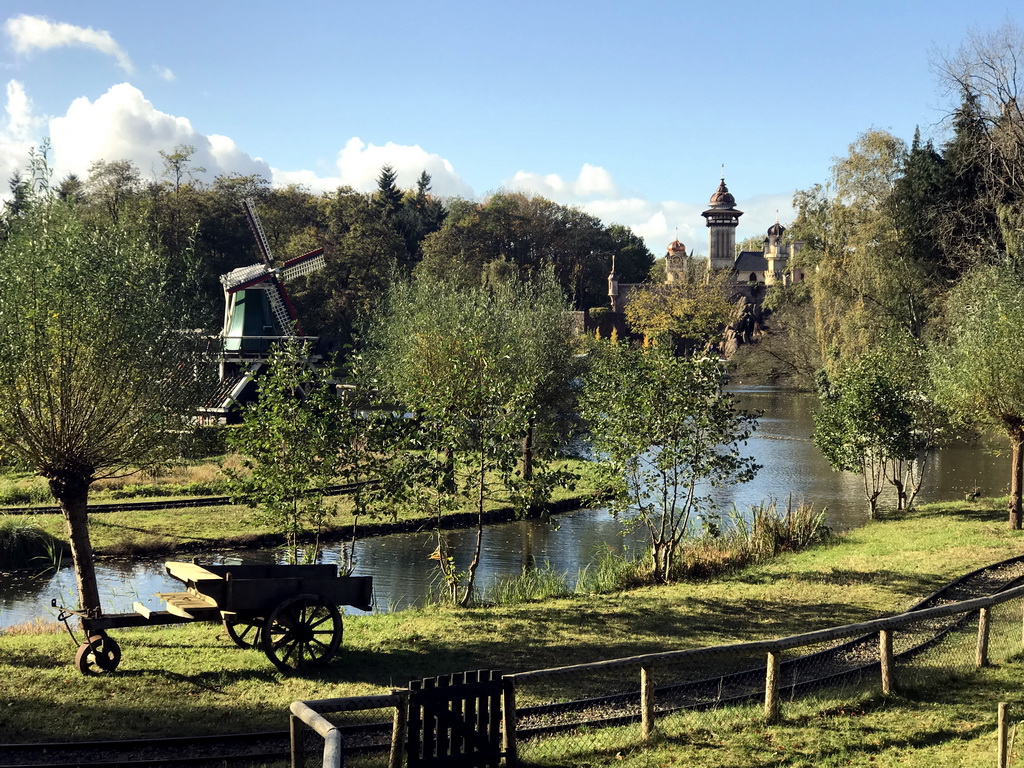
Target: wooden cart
{"type": "Point", "coordinates": [288, 611]}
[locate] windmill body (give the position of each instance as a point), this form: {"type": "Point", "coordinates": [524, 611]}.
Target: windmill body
{"type": "Point", "coordinates": [258, 315]}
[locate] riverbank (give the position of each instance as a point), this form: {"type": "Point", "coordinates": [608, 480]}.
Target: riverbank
{"type": "Point", "coordinates": [185, 530]}
{"type": "Point", "coordinates": [191, 679]}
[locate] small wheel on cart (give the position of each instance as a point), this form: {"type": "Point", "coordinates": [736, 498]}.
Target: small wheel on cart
{"type": "Point", "coordinates": [99, 654]}
{"type": "Point", "coordinates": [303, 631]}
{"type": "Point", "coordinates": [244, 631]}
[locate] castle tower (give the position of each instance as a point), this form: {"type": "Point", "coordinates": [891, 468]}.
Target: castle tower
{"type": "Point", "coordinates": [773, 252]}
{"type": "Point", "coordinates": [675, 262]}
{"type": "Point", "coordinates": [722, 219]}
{"type": "Point", "coordinates": [613, 288]}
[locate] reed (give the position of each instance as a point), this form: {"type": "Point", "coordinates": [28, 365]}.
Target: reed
{"type": "Point", "coordinates": [26, 545]}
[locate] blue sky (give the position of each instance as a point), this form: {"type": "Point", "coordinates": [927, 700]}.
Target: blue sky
{"type": "Point", "coordinates": [627, 110]}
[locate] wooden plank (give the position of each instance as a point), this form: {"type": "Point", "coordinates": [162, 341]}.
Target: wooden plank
{"type": "Point", "coordinates": [414, 741]}
{"type": "Point", "coordinates": [188, 605]}
{"type": "Point", "coordinates": [189, 571]}
{"type": "Point", "coordinates": [141, 609]}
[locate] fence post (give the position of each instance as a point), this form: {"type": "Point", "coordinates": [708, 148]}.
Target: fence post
{"type": "Point", "coordinates": [295, 728]}
{"type": "Point", "coordinates": [398, 729]}
{"type": "Point", "coordinates": [885, 659]}
{"type": "Point", "coordinates": [982, 654]}
{"type": "Point", "coordinates": [771, 688]}
{"type": "Point", "coordinates": [508, 721]}
{"type": "Point", "coordinates": [647, 702]}
{"type": "Point", "coordinates": [1001, 757]}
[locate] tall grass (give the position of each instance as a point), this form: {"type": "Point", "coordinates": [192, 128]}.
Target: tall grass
{"type": "Point", "coordinates": [746, 539]}
{"type": "Point", "coordinates": [26, 545]}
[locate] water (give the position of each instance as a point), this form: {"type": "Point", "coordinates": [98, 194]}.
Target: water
{"type": "Point", "coordinates": [403, 573]}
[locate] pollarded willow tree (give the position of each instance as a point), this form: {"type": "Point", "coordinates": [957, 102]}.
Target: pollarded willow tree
{"type": "Point", "coordinates": [667, 435]}
{"type": "Point", "coordinates": [97, 378]}
{"type": "Point", "coordinates": [978, 364]}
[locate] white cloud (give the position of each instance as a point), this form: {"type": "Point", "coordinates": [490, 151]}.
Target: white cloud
{"type": "Point", "coordinates": [592, 181]}
{"type": "Point", "coordinates": [123, 125]}
{"type": "Point", "coordinates": [32, 33]}
{"type": "Point", "coordinates": [359, 166]}
{"type": "Point", "coordinates": [657, 222]}
{"type": "Point", "coordinates": [164, 73]}
{"type": "Point", "coordinates": [18, 132]}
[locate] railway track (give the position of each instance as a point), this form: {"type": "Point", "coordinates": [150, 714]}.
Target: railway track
{"type": "Point", "coordinates": [844, 662]}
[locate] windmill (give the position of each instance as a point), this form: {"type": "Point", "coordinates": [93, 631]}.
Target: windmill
{"type": "Point", "coordinates": [258, 313]}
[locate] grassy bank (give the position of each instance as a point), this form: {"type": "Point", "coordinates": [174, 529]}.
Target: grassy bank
{"type": "Point", "coordinates": [190, 679]}
{"type": "Point", "coordinates": [163, 531]}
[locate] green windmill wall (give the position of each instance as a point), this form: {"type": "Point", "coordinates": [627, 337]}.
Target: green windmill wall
{"type": "Point", "coordinates": [252, 317]}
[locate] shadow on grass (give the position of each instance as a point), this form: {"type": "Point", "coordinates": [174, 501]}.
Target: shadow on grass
{"type": "Point", "coordinates": [901, 582]}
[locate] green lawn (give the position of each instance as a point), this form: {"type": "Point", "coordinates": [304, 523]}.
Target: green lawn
{"type": "Point", "coordinates": [191, 679]}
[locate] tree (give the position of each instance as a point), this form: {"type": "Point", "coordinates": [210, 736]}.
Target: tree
{"type": "Point", "coordinates": [665, 433]}
{"type": "Point", "coordinates": [295, 440]}
{"type": "Point", "coordinates": [978, 361]}
{"type": "Point", "coordinates": [688, 314]}
{"type": "Point", "coordinates": [470, 365]}
{"type": "Point", "coordinates": [872, 422]}
{"type": "Point", "coordinates": [113, 185]}
{"type": "Point", "coordinates": [96, 376]}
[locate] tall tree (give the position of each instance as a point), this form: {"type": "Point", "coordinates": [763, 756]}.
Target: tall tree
{"type": "Point", "coordinates": [472, 366]}
{"type": "Point", "coordinates": [978, 361]}
{"type": "Point", "coordinates": [96, 374]}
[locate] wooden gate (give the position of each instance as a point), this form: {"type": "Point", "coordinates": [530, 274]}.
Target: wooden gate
{"type": "Point", "coordinates": [455, 720]}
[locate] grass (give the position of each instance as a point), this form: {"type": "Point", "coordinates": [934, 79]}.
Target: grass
{"type": "Point", "coordinates": [191, 679]}
{"type": "Point", "coordinates": [163, 531]}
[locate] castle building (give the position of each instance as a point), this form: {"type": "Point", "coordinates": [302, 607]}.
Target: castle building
{"type": "Point", "coordinates": [750, 269]}
{"type": "Point", "coordinates": [769, 266]}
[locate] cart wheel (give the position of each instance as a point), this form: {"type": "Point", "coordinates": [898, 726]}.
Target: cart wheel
{"type": "Point", "coordinates": [303, 631]}
{"type": "Point", "coordinates": [99, 654]}
{"type": "Point", "coordinates": [244, 631]}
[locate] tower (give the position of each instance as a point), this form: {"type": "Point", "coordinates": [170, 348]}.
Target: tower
{"type": "Point", "coordinates": [722, 219]}
{"type": "Point", "coordinates": [675, 262]}
{"type": "Point", "coordinates": [773, 251]}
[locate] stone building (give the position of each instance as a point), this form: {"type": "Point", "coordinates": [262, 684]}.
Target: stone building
{"type": "Point", "coordinates": [768, 266]}
{"type": "Point", "coordinates": [750, 269]}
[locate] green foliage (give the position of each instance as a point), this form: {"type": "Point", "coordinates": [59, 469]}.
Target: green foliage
{"type": "Point", "coordinates": [666, 434]}
{"type": "Point", "coordinates": [978, 362]}
{"type": "Point", "coordinates": [25, 545]}
{"type": "Point", "coordinates": [96, 373]}
{"type": "Point", "coordinates": [688, 315]}
{"type": "Point", "coordinates": [484, 371]}
{"type": "Point", "coordinates": [876, 419]}
{"type": "Point", "coordinates": [293, 441]}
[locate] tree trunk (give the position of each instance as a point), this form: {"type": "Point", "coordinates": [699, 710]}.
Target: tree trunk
{"type": "Point", "coordinates": [1016, 475]}
{"type": "Point", "coordinates": [72, 495]}
{"type": "Point", "coordinates": [448, 479]}
{"type": "Point", "coordinates": [526, 465]}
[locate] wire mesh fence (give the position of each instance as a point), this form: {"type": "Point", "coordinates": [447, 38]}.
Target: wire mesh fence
{"type": "Point", "coordinates": [585, 712]}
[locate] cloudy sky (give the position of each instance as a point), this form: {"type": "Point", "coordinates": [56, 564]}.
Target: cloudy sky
{"type": "Point", "coordinates": [626, 109]}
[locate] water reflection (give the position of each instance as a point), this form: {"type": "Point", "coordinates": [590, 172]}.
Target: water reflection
{"type": "Point", "coordinates": [403, 573]}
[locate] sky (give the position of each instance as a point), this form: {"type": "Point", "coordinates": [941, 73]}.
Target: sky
{"type": "Point", "coordinates": [628, 110]}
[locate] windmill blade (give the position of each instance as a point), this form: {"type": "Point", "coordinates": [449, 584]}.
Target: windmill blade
{"type": "Point", "coordinates": [257, 229]}
{"type": "Point", "coordinates": [303, 265]}
{"type": "Point", "coordinates": [243, 277]}
{"type": "Point", "coordinates": [283, 309]}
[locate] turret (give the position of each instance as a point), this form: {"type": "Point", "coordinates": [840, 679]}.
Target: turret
{"type": "Point", "coordinates": [722, 218]}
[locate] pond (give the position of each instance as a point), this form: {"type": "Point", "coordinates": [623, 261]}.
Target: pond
{"type": "Point", "coordinates": [404, 574]}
